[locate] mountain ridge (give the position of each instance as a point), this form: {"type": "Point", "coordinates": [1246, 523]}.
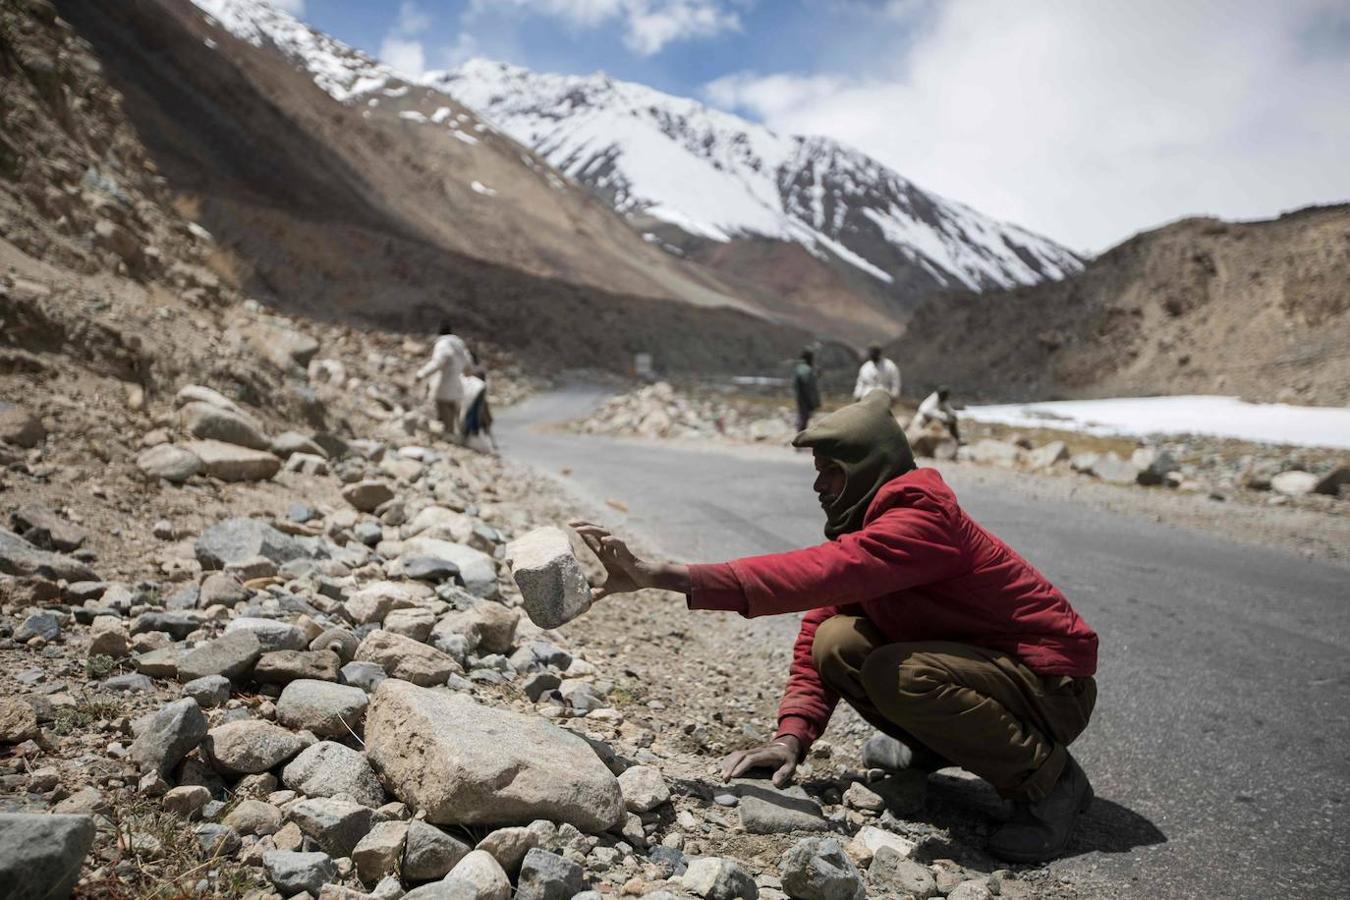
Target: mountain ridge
{"type": "Point", "coordinates": [1198, 305]}
{"type": "Point", "coordinates": [718, 176]}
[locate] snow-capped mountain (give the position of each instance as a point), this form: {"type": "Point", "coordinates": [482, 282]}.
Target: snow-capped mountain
{"type": "Point", "coordinates": [694, 204]}
{"type": "Point", "coordinates": [720, 177]}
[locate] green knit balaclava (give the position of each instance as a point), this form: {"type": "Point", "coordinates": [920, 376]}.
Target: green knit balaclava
{"type": "Point", "coordinates": [870, 446]}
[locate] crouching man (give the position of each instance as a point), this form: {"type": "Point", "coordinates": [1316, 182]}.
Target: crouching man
{"type": "Point", "coordinates": [933, 629]}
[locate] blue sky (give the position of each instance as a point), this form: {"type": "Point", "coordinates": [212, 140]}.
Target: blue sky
{"type": "Point", "coordinates": [1086, 120]}
{"type": "Point", "coordinates": [582, 36]}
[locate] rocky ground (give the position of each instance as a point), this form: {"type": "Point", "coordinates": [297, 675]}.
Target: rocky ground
{"type": "Point", "coordinates": [1262, 480]}
{"type": "Point", "coordinates": [247, 676]}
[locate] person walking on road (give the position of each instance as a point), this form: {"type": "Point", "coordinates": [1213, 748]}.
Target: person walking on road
{"type": "Point", "coordinates": [877, 373]}
{"type": "Point", "coordinates": [806, 387]}
{"type": "Point", "coordinates": [937, 408]}
{"type": "Point", "coordinates": [449, 358]}
{"type": "Point", "coordinates": [940, 635]}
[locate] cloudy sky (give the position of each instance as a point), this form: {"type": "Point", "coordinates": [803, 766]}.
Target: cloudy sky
{"type": "Point", "coordinates": [1087, 120]}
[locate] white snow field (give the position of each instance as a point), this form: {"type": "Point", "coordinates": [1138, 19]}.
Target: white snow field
{"type": "Point", "coordinates": [1201, 414]}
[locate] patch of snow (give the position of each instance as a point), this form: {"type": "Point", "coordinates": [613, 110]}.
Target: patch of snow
{"type": "Point", "coordinates": [483, 189]}
{"type": "Point", "coordinates": [210, 44]}
{"type": "Point", "coordinates": [440, 115]}
{"type": "Point", "coordinates": [466, 138]}
{"type": "Point", "coordinates": [412, 115]}
{"type": "Point", "coordinates": [1202, 414]}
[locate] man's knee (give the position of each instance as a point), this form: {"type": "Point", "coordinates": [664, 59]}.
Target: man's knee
{"type": "Point", "coordinates": [838, 649]}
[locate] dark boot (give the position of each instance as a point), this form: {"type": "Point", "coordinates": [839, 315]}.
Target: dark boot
{"type": "Point", "coordinates": [881, 751]}
{"type": "Point", "coordinates": [1038, 832]}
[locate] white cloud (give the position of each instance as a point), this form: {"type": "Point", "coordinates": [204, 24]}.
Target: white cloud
{"type": "Point", "coordinates": [1089, 121]}
{"type": "Point", "coordinates": [649, 25]}
{"type": "Point", "coordinates": [400, 49]}
{"type": "Point", "coordinates": [406, 57]}
{"type": "Point", "coordinates": [294, 7]}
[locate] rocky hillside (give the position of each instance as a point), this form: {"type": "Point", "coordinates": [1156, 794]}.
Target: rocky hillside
{"type": "Point", "coordinates": [392, 204]}
{"type": "Point", "coordinates": [856, 237]}
{"type": "Point", "coordinates": [1257, 309]}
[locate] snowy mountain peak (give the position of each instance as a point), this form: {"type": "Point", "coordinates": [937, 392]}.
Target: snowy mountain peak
{"type": "Point", "coordinates": [341, 71]}
{"type": "Point", "coordinates": [715, 176]}
{"type": "Point", "coordinates": [720, 177]}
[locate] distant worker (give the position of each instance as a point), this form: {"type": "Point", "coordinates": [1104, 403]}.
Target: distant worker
{"type": "Point", "coordinates": [877, 373]}
{"type": "Point", "coordinates": [936, 408]}
{"type": "Point", "coordinates": [477, 413]}
{"type": "Point", "coordinates": [806, 386]}
{"type": "Point", "coordinates": [449, 358]}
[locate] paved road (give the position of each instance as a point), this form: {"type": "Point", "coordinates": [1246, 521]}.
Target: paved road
{"type": "Point", "coordinates": [1220, 750]}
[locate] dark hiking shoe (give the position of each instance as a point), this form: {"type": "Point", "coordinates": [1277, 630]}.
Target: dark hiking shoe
{"type": "Point", "coordinates": [881, 751]}
{"type": "Point", "coordinates": [1039, 832]}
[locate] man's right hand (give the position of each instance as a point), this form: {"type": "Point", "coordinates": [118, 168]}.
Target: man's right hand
{"type": "Point", "coordinates": [781, 754]}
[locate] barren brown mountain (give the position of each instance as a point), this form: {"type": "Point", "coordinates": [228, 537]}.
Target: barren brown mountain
{"type": "Point", "coordinates": [1257, 309]}
{"type": "Point", "coordinates": [344, 212]}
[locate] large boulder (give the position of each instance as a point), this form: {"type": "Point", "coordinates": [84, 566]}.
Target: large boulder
{"type": "Point", "coordinates": [42, 527]}
{"type": "Point", "coordinates": [41, 855]}
{"type": "Point", "coordinates": [230, 462]}
{"type": "Point", "coordinates": [335, 824]}
{"type": "Point", "coordinates": [1154, 465]}
{"type": "Point", "coordinates": [1047, 455]}
{"type": "Point", "coordinates": [487, 626]}
{"type": "Point", "coordinates": [368, 496]}
{"type": "Point", "coordinates": [818, 869]}
{"type": "Point", "coordinates": [328, 710]}
{"type": "Point", "coordinates": [171, 734]}
{"type": "Point", "coordinates": [231, 655]}
{"type": "Point", "coordinates": [285, 666]}
{"type": "Point", "coordinates": [1332, 482]}
{"type": "Point", "coordinates": [18, 557]}
{"type": "Point", "coordinates": [1294, 483]}
{"type": "Point", "coordinates": [406, 659]}
{"type": "Point", "coordinates": [170, 462]}
{"type": "Point", "coordinates": [272, 634]}
{"type": "Point", "coordinates": [477, 570]}
{"type": "Point", "coordinates": [465, 763]}
{"type": "Point", "coordinates": [213, 423]}
{"type": "Point", "coordinates": [552, 582]}
{"type": "Point", "coordinates": [328, 769]}
{"type": "Point", "coordinates": [287, 349]}
{"type": "Point", "coordinates": [429, 853]}
{"type": "Point", "coordinates": [990, 452]}
{"type": "Point", "coordinates": [239, 539]}
{"type": "Point", "coordinates": [1111, 468]}
{"type": "Point", "coordinates": [292, 872]}
{"type": "Point", "coordinates": [250, 747]}
{"type": "Point", "coordinates": [20, 427]}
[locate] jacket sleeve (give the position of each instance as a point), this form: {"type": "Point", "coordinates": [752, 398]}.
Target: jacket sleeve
{"type": "Point", "coordinates": [807, 703]}
{"type": "Point", "coordinates": [438, 355]}
{"type": "Point", "coordinates": [905, 547]}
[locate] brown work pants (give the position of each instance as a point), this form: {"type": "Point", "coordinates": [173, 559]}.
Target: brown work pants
{"type": "Point", "coordinates": [976, 708]}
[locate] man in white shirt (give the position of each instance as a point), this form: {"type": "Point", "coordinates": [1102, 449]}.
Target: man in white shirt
{"type": "Point", "coordinates": [449, 358]}
{"type": "Point", "coordinates": [937, 408]}
{"type": "Point", "coordinates": [877, 373]}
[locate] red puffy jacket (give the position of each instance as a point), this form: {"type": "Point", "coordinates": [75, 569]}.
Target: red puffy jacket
{"type": "Point", "coordinates": [921, 570]}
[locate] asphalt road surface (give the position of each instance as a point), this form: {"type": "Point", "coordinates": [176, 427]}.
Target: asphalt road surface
{"type": "Point", "coordinates": [1220, 748]}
